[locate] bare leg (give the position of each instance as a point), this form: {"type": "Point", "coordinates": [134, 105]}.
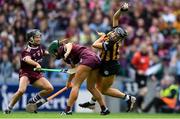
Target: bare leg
{"type": "Point", "coordinates": [81, 74]}
{"type": "Point", "coordinates": [23, 83]}
{"type": "Point", "coordinates": [39, 99]}
{"type": "Point", "coordinates": [45, 85]}
{"type": "Point", "coordinates": [104, 85]}
{"type": "Point", "coordinates": [91, 81]}
{"type": "Point", "coordinates": [140, 98]}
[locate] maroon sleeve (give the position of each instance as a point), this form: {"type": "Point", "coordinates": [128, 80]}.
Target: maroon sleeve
{"type": "Point", "coordinates": [25, 53]}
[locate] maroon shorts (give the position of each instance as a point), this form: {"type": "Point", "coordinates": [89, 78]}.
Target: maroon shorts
{"type": "Point", "coordinates": [32, 76]}
{"type": "Point", "coordinates": [90, 59]}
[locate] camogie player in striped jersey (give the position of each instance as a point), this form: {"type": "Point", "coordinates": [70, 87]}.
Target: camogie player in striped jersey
{"type": "Point", "coordinates": [109, 45]}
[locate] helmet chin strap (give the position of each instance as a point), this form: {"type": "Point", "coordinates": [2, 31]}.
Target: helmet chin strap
{"type": "Point", "coordinates": [32, 42]}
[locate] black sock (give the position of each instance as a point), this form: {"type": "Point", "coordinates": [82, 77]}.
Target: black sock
{"type": "Point", "coordinates": [35, 99]}
{"type": "Point", "coordinates": [68, 108]}
{"type": "Point", "coordinates": [41, 102]}
{"type": "Point", "coordinates": [103, 107]}
{"type": "Point", "coordinates": [140, 100]}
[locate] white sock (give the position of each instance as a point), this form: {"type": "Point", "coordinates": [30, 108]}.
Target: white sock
{"type": "Point", "coordinates": [92, 101]}
{"type": "Point", "coordinates": [126, 97]}
{"type": "Point", "coordinates": [9, 107]}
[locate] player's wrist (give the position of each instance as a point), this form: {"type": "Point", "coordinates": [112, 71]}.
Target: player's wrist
{"type": "Point", "coordinates": [123, 10]}
{"type": "Point", "coordinates": [37, 65]}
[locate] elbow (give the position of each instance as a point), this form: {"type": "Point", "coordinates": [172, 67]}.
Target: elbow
{"type": "Point", "coordinates": [94, 45]}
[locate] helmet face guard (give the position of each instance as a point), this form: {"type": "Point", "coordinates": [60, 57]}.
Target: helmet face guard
{"type": "Point", "coordinates": [31, 34]}
{"type": "Point", "coordinates": [118, 34]}
{"type": "Point", "coordinates": [53, 49]}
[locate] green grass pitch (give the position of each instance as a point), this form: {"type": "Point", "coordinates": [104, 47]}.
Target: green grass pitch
{"type": "Point", "coordinates": [56, 115]}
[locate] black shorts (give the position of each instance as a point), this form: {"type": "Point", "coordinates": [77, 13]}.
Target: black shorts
{"type": "Point", "coordinates": [141, 80]}
{"type": "Point", "coordinates": [109, 68]}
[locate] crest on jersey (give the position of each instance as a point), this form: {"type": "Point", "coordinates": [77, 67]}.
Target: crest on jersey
{"type": "Point", "coordinates": [106, 72]}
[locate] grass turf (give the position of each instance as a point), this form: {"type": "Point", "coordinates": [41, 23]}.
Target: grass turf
{"type": "Point", "coordinates": [56, 115]}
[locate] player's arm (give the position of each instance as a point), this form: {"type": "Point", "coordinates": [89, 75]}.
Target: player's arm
{"type": "Point", "coordinates": [118, 13]}
{"type": "Point", "coordinates": [116, 18]}
{"type": "Point", "coordinates": [99, 42]}
{"type": "Point", "coordinates": [71, 76]}
{"type": "Point", "coordinates": [68, 48]}
{"type": "Point", "coordinates": [28, 60]}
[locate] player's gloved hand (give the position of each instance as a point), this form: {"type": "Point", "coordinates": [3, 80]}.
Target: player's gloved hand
{"type": "Point", "coordinates": [124, 7]}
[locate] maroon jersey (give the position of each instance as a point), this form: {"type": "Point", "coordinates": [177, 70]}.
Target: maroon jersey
{"type": "Point", "coordinates": [27, 69]}
{"type": "Point", "coordinates": [82, 55]}
{"type": "Point", "coordinates": [36, 54]}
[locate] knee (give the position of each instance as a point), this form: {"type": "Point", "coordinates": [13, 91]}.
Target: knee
{"type": "Point", "coordinates": [74, 92]}
{"type": "Point", "coordinates": [50, 89]}
{"type": "Point", "coordinates": [103, 92]}
{"type": "Point", "coordinates": [102, 89]}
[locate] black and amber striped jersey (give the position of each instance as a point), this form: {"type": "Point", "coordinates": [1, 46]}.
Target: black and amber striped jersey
{"type": "Point", "coordinates": [110, 50]}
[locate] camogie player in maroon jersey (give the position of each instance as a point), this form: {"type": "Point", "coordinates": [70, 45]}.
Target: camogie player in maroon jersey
{"type": "Point", "coordinates": [87, 63]}
{"type": "Point", "coordinates": [31, 58]}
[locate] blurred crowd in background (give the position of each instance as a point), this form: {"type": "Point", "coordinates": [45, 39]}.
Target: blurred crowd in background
{"type": "Point", "coordinates": [153, 27]}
